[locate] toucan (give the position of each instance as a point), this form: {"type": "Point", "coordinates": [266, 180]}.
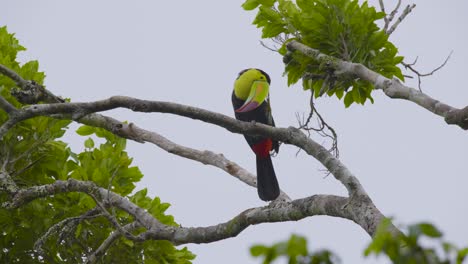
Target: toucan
{"type": "Point", "coordinates": [251, 102]}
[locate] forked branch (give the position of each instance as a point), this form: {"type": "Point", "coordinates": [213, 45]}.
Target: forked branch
{"type": "Point", "coordinates": [393, 88]}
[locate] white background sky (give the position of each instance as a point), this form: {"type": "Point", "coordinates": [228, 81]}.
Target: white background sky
{"type": "Point", "coordinates": [411, 163]}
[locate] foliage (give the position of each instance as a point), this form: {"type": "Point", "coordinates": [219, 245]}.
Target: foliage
{"type": "Point", "coordinates": [409, 247]}
{"type": "Point", "coordinates": [400, 248]}
{"type": "Point", "coordinates": [339, 28]}
{"type": "Point", "coordinates": [295, 249]}
{"type": "Point", "coordinates": [34, 155]}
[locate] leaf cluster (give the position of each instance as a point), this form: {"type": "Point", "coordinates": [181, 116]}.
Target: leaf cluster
{"type": "Point", "coordinates": [410, 247]}
{"type": "Point", "coordinates": [33, 153]}
{"type": "Point", "coordinates": [342, 29]}
{"type": "Point", "coordinates": [295, 250]}
{"type": "Point", "coordinates": [400, 248]}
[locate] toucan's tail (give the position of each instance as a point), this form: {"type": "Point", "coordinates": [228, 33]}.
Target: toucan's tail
{"type": "Point", "coordinates": [267, 185]}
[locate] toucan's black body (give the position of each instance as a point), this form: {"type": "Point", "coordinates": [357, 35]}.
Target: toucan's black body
{"type": "Point", "coordinates": [261, 114]}
{"type": "Point", "coordinates": [267, 184]}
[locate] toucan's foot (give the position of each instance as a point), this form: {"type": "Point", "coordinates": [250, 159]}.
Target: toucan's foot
{"type": "Point", "coordinates": [279, 202]}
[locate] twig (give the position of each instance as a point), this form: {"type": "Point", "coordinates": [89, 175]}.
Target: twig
{"type": "Point", "coordinates": [407, 10]}
{"type": "Point", "coordinates": [393, 13]}
{"type": "Point", "coordinates": [6, 157]}
{"type": "Point", "coordinates": [322, 126]}
{"type": "Point", "coordinates": [112, 219]}
{"type": "Point", "coordinates": [5, 105]}
{"type": "Point", "coordinates": [382, 8]}
{"type": "Point", "coordinates": [58, 227]}
{"type": "Point", "coordinates": [32, 163]}
{"type": "Point", "coordinates": [274, 49]}
{"type": "Point", "coordinates": [388, 17]}
{"type": "Point", "coordinates": [94, 256]}
{"type": "Point", "coordinates": [420, 75]}
{"type": "Point", "coordinates": [13, 75]}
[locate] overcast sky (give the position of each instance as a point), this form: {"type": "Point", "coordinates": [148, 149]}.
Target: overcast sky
{"type": "Point", "coordinates": [410, 162]}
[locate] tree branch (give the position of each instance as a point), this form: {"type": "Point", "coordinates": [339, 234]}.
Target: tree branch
{"type": "Point", "coordinates": [393, 88]}
{"type": "Point", "coordinates": [23, 196]}
{"type": "Point", "coordinates": [407, 10]}
{"type": "Point", "coordinates": [388, 17]}
{"type": "Point", "coordinates": [94, 257]}
{"type": "Point", "coordinates": [5, 105]}
{"type": "Point", "coordinates": [131, 131]}
{"type": "Point", "coordinates": [289, 135]}
{"type": "Point", "coordinates": [359, 210]}
{"type": "Point", "coordinates": [420, 75]}
{"type": "Point", "coordinates": [60, 226]}
{"type": "Point", "coordinates": [31, 92]}
{"type": "Point", "coordinates": [392, 14]}
{"type": "Point", "coordinates": [296, 210]}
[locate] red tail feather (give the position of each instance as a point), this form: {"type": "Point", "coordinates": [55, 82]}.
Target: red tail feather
{"type": "Point", "coordinates": [263, 148]}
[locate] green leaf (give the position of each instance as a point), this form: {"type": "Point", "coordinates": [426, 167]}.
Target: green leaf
{"type": "Point", "coordinates": [297, 246]}
{"type": "Point", "coordinates": [250, 4]}
{"type": "Point", "coordinates": [89, 143]}
{"type": "Point", "coordinates": [348, 99]}
{"type": "Point", "coordinates": [267, 3]}
{"type": "Point", "coordinates": [85, 130]}
{"type": "Point", "coordinates": [272, 30]}
{"type": "Point", "coordinates": [461, 255]}
{"type": "Point", "coordinates": [139, 196]}
{"type": "Point", "coordinates": [128, 242]}
{"type": "Point", "coordinates": [339, 93]}
{"type": "Point", "coordinates": [258, 250]}
{"type": "Point", "coordinates": [429, 230]}
{"type": "Point", "coordinates": [271, 15]}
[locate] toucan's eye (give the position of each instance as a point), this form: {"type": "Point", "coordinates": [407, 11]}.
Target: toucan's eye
{"type": "Point", "coordinates": [261, 77]}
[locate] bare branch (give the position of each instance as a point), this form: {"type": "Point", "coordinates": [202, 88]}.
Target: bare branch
{"type": "Point", "coordinates": [420, 75]}
{"type": "Point", "coordinates": [359, 209]}
{"type": "Point", "coordinates": [392, 15]}
{"type": "Point", "coordinates": [25, 168]}
{"type": "Point", "coordinates": [382, 7]}
{"type": "Point", "coordinates": [13, 75]}
{"type": "Point", "coordinates": [112, 219]}
{"type": "Point", "coordinates": [289, 135]}
{"type": "Point", "coordinates": [131, 131]}
{"type": "Point", "coordinates": [7, 184]}
{"type": "Point", "coordinates": [94, 257]}
{"type": "Point", "coordinates": [297, 209]}
{"type": "Point", "coordinates": [60, 226]}
{"type": "Point", "coordinates": [274, 49]}
{"type": "Point", "coordinates": [388, 17]}
{"type": "Point", "coordinates": [31, 92]}
{"type": "Point", "coordinates": [393, 88]}
{"type": "Point", "coordinates": [23, 196]}
{"type": "Point", "coordinates": [206, 157]}
{"type": "Point", "coordinates": [5, 105]}
{"type": "Point", "coordinates": [407, 10]}
{"type": "Point", "coordinates": [322, 126]}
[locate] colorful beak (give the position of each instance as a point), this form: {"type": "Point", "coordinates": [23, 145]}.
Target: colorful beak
{"type": "Point", "coordinates": [258, 94]}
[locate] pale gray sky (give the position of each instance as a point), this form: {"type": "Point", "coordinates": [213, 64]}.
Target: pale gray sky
{"type": "Point", "coordinates": [411, 163]}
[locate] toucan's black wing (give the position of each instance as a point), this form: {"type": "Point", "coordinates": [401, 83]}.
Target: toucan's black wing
{"type": "Point", "coordinates": [271, 122]}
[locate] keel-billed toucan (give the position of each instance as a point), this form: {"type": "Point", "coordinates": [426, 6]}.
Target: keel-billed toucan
{"type": "Point", "coordinates": [251, 103]}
